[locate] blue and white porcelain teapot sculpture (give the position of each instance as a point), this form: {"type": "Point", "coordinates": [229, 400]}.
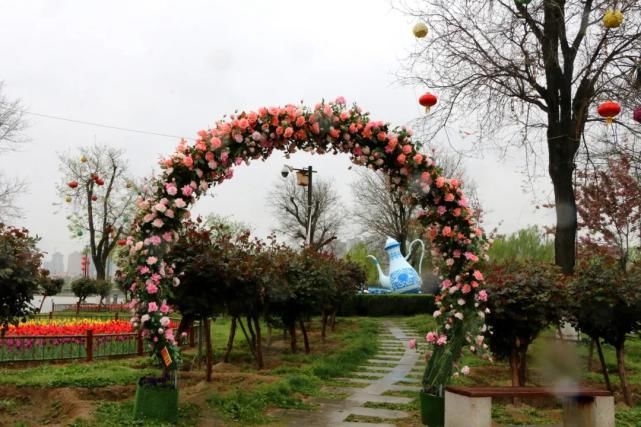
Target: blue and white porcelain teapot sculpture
{"type": "Point", "coordinates": [402, 277]}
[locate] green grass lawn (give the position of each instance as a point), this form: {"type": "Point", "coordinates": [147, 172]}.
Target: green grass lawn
{"type": "Point", "coordinates": [239, 394]}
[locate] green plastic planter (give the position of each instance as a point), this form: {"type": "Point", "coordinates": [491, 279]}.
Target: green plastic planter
{"type": "Point", "coordinates": [157, 402]}
{"type": "Point", "coordinates": [432, 409]}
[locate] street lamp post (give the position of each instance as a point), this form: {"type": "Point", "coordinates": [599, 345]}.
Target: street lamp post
{"type": "Point", "coordinates": [307, 173]}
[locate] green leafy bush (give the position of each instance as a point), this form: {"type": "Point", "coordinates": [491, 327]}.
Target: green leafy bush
{"type": "Point", "coordinates": [524, 299]}
{"type": "Point", "coordinates": [387, 305]}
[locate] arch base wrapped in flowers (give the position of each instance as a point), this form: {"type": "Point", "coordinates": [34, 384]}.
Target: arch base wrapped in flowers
{"type": "Point", "coordinates": [327, 127]}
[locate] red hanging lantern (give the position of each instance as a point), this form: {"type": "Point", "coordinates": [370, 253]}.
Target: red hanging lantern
{"type": "Point", "coordinates": [636, 115]}
{"type": "Point", "coordinates": [427, 100]}
{"type": "Point", "coordinates": [609, 110]}
{"type": "Point", "coordinates": [94, 197]}
{"type": "Point", "coordinates": [72, 184]}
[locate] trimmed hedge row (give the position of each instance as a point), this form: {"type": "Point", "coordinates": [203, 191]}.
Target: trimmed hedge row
{"type": "Point", "coordinates": [387, 305]}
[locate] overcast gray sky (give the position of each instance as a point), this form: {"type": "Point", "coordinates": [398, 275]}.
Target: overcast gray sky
{"type": "Point", "coordinates": [176, 67]}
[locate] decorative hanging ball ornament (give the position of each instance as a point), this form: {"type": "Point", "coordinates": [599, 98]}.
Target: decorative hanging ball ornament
{"type": "Point", "coordinates": [420, 30]}
{"type": "Point", "coordinates": [427, 100]}
{"type": "Point", "coordinates": [122, 242]}
{"type": "Point", "coordinates": [94, 197]}
{"type": "Point", "coordinates": [72, 184]}
{"type": "Point", "coordinates": [613, 18]}
{"type": "Point", "coordinates": [68, 199]}
{"type": "Point", "coordinates": [609, 110]}
{"type": "Point", "coordinates": [99, 181]}
{"type": "Point", "coordinates": [636, 115]}
{"type": "Point", "coordinates": [83, 159]}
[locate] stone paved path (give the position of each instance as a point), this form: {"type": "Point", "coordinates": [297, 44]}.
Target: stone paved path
{"type": "Point", "coordinates": [393, 363]}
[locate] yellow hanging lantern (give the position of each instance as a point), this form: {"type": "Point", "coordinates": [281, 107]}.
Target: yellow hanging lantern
{"type": "Point", "coordinates": [68, 199]}
{"type": "Point", "coordinates": [420, 30]}
{"type": "Point", "coordinates": [612, 18]}
{"type": "Point", "coordinates": [83, 159]}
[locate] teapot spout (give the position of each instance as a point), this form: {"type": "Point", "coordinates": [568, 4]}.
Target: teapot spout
{"type": "Point", "coordinates": [383, 280]}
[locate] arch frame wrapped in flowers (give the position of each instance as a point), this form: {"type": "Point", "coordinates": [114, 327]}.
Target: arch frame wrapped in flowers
{"type": "Point", "coordinates": [334, 127]}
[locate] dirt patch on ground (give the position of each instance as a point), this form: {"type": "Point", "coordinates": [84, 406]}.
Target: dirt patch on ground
{"type": "Point", "coordinates": [39, 406]}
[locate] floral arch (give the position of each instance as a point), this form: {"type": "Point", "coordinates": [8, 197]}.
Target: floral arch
{"type": "Point", "coordinates": [328, 127]}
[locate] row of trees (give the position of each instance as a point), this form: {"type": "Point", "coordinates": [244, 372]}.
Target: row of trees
{"type": "Point", "coordinates": [253, 281]}
{"type": "Point", "coordinates": [21, 276]}
{"type": "Point", "coordinates": [528, 294]}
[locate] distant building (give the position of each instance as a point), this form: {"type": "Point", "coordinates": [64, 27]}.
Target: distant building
{"type": "Point", "coordinates": [57, 264]}
{"type": "Point", "coordinates": [73, 264]}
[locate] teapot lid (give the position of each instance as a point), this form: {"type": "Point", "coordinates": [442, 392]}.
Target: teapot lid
{"type": "Point", "coordinates": [391, 243]}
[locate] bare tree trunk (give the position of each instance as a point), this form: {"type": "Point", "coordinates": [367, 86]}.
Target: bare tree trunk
{"type": "Point", "coordinates": [514, 367]}
{"type": "Point", "coordinates": [604, 368]}
{"type": "Point", "coordinates": [269, 335]}
{"type": "Point", "coordinates": [522, 365]}
{"type": "Point", "coordinates": [561, 167]}
{"type": "Point", "coordinates": [250, 342]}
{"type": "Point", "coordinates": [252, 333]}
{"type": "Point", "coordinates": [292, 335]}
{"type": "Point", "coordinates": [590, 355]}
{"type": "Point", "coordinates": [333, 321]}
{"type": "Point", "coordinates": [305, 339]}
{"type": "Point", "coordinates": [625, 387]}
{"type": "Point", "coordinates": [324, 318]}
{"type": "Point", "coordinates": [209, 351]}
{"type": "Point", "coordinates": [230, 340]}
{"type": "Point", "coordinates": [259, 346]}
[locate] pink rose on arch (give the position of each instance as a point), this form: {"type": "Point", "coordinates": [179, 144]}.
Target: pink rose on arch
{"type": "Point", "coordinates": [401, 159]}
{"type": "Point", "coordinates": [418, 158]}
{"type": "Point", "coordinates": [169, 213]}
{"type": "Point", "coordinates": [340, 100]}
{"type": "Point", "coordinates": [447, 231]}
{"type": "Point", "coordinates": [466, 289]}
{"type": "Point", "coordinates": [407, 149]}
{"type": "Point", "coordinates": [482, 295]}
{"type": "Point", "coordinates": [164, 308]}
{"type": "Point", "coordinates": [440, 182]}
{"type": "Point", "coordinates": [151, 288]}
{"type": "Point", "coordinates": [187, 190]}
{"type": "Point", "coordinates": [216, 143]}
{"type": "Point", "coordinates": [224, 156]}
{"type": "Point", "coordinates": [152, 260]}
{"type": "Point", "coordinates": [430, 337]}
{"type": "Point", "coordinates": [188, 161]}
{"type": "Point", "coordinates": [152, 307]}
{"type": "Point", "coordinates": [441, 210]}
{"type": "Point", "coordinates": [426, 178]}
{"type": "Point", "coordinates": [158, 223]}
{"type": "Point", "coordinates": [180, 203]}
{"type": "Point", "coordinates": [149, 217]}
{"type": "Point", "coordinates": [478, 275]}
{"type": "Point", "coordinates": [411, 343]}
{"type": "Point", "coordinates": [471, 257]}
{"type": "Point", "coordinates": [155, 240]}
{"type": "Point", "coordinates": [171, 189]}
{"type": "Point", "coordinates": [449, 197]}
{"type": "Point", "coordinates": [442, 340]}
{"type": "Point", "coordinates": [167, 237]}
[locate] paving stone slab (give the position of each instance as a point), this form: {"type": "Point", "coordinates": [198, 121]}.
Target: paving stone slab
{"type": "Point", "coordinates": [377, 368]}
{"type": "Point", "coordinates": [403, 387]}
{"type": "Point", "coordinates": [368, 374]}
{"type": "Point", "coordinates": [377, 398]}
{"type": "Point", "coordinates": [389, 414]}
{"type": "Point", "coordinates": [356, 424]}
{"type": "Point", "coordinates": [354, 380]}
{"type": "Point", "coordinates": [409, 380]}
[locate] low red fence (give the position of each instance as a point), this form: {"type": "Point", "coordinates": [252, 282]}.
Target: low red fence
{"type": "Point", "coordinates": [90, 307]}
{"type": "Point", "coordinates": [84, 347]}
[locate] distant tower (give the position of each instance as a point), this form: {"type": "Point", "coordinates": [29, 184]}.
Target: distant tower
{"type": "Point", "coordinates": [74, 268]}
{"type": "Point", "coordinates": [57, 264]}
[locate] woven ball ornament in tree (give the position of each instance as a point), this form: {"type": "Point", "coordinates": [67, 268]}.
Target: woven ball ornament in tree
{"type": "Point", "coordinates": [609, 110]}
{"type": "Point", "coordinates": [612, 18]}
{"type": "Point", "coordinates": [636, 115]}
{"type": "Point", "coordinates": [420, 30]}
{"type": "Point", "coordinates": [427, 100]}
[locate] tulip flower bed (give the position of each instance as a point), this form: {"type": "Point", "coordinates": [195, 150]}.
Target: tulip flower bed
{"type": "Point", "coordinates": [69, 339]}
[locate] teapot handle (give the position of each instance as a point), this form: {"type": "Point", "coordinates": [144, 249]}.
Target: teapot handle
{"type": "Point", "coordinates": [409, 252]}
